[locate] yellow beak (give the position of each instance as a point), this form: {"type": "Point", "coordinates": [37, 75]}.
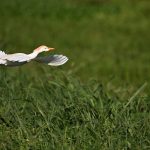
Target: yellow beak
{"type": "Point", "coordinates": [51, 49]}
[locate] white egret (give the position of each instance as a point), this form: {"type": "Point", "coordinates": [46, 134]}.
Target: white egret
{"type": "Point", "coordinates": [18, 59]}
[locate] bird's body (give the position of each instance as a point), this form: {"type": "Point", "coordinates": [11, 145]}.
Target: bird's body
{"type": "Point", "coordinates": [18, 59]}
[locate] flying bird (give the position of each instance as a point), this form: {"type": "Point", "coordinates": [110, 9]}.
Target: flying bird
{"type": "Point", "coordinates": [18, 59]}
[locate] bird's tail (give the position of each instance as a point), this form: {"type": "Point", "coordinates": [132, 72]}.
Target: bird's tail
{"type": "Point", "coordinates": [2, 54]}
{"type": "Point", "coordinates": [53, 60]}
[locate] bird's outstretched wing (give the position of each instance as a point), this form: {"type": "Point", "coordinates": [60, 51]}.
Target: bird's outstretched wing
{"type": "Point", "coordinates": [52, 60]}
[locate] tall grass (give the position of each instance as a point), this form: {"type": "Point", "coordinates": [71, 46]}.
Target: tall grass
{"type": "Point", "coordinates": [64, 113]}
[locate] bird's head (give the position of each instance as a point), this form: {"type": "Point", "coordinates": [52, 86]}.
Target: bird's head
{"type": "Point", "coordinates": [43, 48]}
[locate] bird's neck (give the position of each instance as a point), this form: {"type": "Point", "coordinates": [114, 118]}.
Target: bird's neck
{"type": "Point", "coordinates": [34, 54]}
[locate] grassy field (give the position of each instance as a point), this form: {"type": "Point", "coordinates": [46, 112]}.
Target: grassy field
{"type": "Point", "coordinates": [98, 100]}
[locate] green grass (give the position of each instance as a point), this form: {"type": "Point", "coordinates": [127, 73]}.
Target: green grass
{"type": "Point", "coordinates": [63, 113]}
{"type": "Point", "coordinates": [98, 100]}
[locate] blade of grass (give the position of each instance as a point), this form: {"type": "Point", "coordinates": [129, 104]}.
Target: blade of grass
{"type": "Point", "coordinates": [135, 95]}
{"type": "Point", "coordinates": [44, 116]}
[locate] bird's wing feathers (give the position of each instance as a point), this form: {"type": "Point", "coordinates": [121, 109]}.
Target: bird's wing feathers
{"type": "Point", "coordinates": [52, 60]}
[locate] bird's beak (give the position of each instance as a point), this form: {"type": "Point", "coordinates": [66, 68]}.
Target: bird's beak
{"type": "Point", "coordinates": [51, 49]}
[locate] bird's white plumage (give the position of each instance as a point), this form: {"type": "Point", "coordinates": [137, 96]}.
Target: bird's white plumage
{"type": "Point", "coordinates": [21, 58]}
{"type": "Point", "coordinates": [2, 54]}
{"type": "Point", "coordinates": [2, 62]}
